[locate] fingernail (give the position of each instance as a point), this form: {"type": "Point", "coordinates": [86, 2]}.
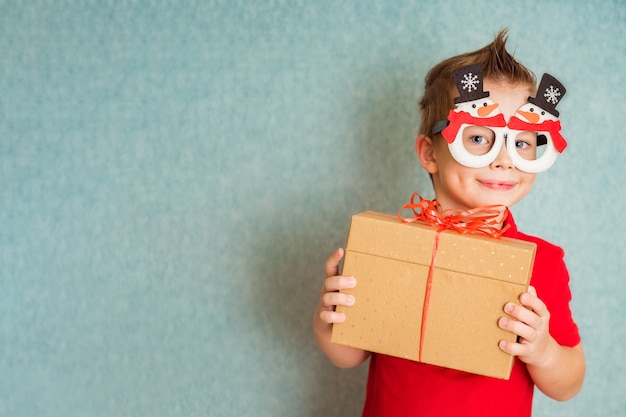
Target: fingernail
{"type": "Point", "coordinates": [509, 307]}
{"type": "Point", "coordinates": [351, 282]}
{"type": "Point", "coordinates": [351, 300]}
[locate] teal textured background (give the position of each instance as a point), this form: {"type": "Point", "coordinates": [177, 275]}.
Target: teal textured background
{"type": "Point", "coordinates": [174, 174]}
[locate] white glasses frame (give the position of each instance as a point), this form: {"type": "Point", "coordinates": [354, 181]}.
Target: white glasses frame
{"type": "Point", "coordinates": [508, 136]}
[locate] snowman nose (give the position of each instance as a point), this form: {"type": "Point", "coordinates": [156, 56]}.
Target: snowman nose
{"type": "Point", "coordinates": [486, 110]}
{"type": "Point", "coordinates": [531, 117]}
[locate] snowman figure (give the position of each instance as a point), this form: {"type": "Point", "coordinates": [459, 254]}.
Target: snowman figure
{"type": "Point", "coordinates": [541, 116]}
{"type": "Point", "coordinates": [473, 108]}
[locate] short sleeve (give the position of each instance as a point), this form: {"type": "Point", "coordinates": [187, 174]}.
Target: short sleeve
{"type": "Point", "coordinates": [551, 280]}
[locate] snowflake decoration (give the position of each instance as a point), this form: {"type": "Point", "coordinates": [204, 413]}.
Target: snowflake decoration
{"type": "Point", "coordinates": [470, 82]}
{"type": "Point", "coordinates": [552, 94]}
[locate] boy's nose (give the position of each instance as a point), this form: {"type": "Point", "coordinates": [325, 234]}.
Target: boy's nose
{"type": "Point", "coordinates": [503, 160]}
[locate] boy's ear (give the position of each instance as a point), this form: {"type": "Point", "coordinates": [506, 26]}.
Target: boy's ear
{"type": "Point", "coordinates": [425, 149]}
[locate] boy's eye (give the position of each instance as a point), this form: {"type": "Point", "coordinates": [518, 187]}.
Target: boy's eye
{"type": "Point", "coordinates": [526, 146]}
{"type": "Point", "coordinates": [479, 140]}
{"type": "Point", "coordinates": [526, 140]}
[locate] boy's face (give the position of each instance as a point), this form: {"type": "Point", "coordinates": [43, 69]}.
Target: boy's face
{"type": "Point", "coordinates": [457, 186]}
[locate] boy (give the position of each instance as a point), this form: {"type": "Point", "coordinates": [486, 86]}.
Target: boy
{"type": "Point", "coordinates": [548, 350]}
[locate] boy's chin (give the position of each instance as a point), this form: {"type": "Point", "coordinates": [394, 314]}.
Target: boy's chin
{"type": "Point", "coordinates": [493, 201]}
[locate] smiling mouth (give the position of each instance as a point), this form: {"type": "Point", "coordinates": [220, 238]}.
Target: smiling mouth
{"type": "Point", "coordinates": [497, 185]}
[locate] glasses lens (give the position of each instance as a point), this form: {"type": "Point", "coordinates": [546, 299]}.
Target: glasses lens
{"type": "Point", "coordinates": [478, 140]}
{"type": "Point", "coordinates": [530, 145]}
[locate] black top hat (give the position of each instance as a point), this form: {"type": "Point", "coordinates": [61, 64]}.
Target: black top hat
{"type": "Point", "coordinates": [469, 82]}
{"type": "Point", "coordinates": [549, 93]}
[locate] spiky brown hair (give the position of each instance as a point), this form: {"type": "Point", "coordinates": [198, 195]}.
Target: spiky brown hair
{"type": "Point", "coordinates": [497, 64]}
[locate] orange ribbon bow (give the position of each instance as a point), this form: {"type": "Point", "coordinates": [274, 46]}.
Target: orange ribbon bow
{"type": "Point", "coordinates": [483, 220]}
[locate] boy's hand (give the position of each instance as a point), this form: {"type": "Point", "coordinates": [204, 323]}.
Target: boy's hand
{"type": "Point", "coordinates": [531, 323]}
{"type": "Point", "coordinates": [330, 297]}
{"type": "Point", "coordinates": [325, 315]}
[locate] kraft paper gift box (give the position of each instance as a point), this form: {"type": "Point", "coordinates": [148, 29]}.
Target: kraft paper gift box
{"type": "Point", "coordinates": [474, 276]}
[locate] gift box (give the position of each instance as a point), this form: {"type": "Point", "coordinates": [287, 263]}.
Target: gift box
{"type": "Point", "coordinates": [443, 314]}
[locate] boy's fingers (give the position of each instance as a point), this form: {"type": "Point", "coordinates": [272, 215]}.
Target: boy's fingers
{"type": "Point", "coordinates": [332, 263]}
{"type": "Point", "coordinates": [518, 328]}
{"type": "Point", "coordinates": [531, 301]}
{"type": "Point", "coordinates": [523, 314]}
{"type": "Point", "coordinates": [332, 317]}
{"type": "Point", "coordinates": [338, 282]}
{"type": "Point", "coordinates": [331, 299]}
{"type": "Point", "coordinates": [515, 349]}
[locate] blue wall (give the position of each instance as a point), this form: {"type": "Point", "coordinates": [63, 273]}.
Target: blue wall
{"type": "Point", "coordinates": [174, 176]}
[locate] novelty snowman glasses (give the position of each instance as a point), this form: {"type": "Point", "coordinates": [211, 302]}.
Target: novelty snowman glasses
{"type": "Point", "coordinates": [476, 129]}
{"type": "Point", "coordinates": [475, 144]}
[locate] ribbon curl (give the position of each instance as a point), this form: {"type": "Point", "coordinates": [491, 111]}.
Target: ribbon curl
{"type": "Point", "coordinates": [481, 220]}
